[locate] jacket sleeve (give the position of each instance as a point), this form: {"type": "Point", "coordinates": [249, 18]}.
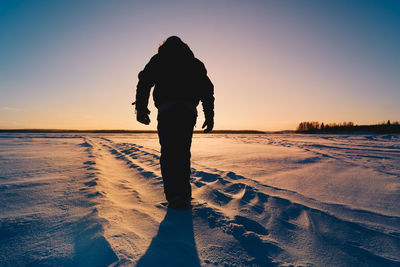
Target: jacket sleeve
{"type": "Point", "coordinates": [207, 95]}
{"type": "Point", "coordinates": [146, 82]}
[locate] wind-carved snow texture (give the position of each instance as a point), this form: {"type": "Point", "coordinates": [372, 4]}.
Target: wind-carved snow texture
{"type": "Point", "coordinates": [47, 217]}
{"type": "Point", "coordinates": [237, 219]}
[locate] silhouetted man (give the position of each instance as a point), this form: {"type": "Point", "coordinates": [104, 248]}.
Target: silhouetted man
{"type": "Point", "coordinates": [180, 82]}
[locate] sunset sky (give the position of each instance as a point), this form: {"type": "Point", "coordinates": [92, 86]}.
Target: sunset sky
{"type": "Point", "coordinates": [74, 64]}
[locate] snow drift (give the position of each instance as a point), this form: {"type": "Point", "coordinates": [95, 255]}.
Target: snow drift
{"type": "Point", "coordinates": [259, 200]}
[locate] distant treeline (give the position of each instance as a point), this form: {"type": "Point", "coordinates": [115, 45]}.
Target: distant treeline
{"type": "Point", "coordinates": [316, 127]}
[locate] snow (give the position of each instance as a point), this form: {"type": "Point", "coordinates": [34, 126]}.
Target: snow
{"type": "Point", "coordinates": [259, 200]}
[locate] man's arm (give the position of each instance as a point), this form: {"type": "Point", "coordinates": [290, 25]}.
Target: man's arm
{"type": "Point", "coordinates": [146, 82]}
{"type": "Point", "coordinates": [207, 100]}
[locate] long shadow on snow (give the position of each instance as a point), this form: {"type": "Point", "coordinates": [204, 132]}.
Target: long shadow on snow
{"type": "Point", "coordinates": [174, 243]}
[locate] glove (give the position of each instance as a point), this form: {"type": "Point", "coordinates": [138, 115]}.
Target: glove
{"type": "Point", "coordinates": [142, 116]}
{"type": "Point", "coordinates": [208, 125]}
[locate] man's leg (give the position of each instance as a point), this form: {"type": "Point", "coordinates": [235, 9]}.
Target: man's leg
{"type": "Point", "coordinates": [175, 130]}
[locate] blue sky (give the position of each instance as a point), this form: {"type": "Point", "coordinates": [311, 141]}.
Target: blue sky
{"type": "Point", "coordinates": [74, 64]}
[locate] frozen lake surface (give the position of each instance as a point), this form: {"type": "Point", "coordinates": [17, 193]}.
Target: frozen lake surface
{"type": "Point", "coordinates": [259, 200]}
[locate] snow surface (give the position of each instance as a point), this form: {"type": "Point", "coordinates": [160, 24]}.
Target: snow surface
{"type": "Point", "coordinates": [259, 200]}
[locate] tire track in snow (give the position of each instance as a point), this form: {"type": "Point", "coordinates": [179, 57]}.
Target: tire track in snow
{"type": "Point", "coordinates": [134, 157]}
{"type": "Point", "coordinates": [122, 201]}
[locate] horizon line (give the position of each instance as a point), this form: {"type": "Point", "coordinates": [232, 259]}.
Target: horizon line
{"type": "Point", "coordinates": [44, 130]}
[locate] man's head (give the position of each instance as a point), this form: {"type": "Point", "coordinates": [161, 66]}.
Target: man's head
{"type": "Point", "coordinates": [174, 45]}
{"type": "Point", "coordinates": [173, 40]}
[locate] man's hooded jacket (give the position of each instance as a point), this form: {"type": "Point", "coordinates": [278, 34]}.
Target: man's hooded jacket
{"type": "Point", "coordinates": [178, 77]}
